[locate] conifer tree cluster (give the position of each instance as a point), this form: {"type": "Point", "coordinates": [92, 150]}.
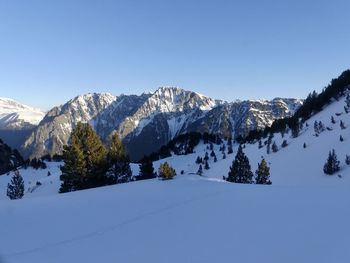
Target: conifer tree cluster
{"type": "Point", "coordinates": [146, 169]}
{"type": "Point", "coordinates": [15, 189]}
{"type": "Point", "coordinates": [88, 164]}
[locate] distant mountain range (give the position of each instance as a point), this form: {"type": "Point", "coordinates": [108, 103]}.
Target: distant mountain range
{"type": "Point", "coordinates": [145, 122]}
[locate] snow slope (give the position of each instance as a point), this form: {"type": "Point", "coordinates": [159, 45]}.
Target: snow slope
{"type": "Point", "coordinates": [302, 217]}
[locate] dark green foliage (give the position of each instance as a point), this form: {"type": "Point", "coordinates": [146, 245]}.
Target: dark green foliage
{"type": "Point", "coordinates": [342, 125]}
{"type": "Point", "coordinates": [199, 160]}
{"type": "Point", "coordinates": [332, 164]}
{"type": "Point", "coordinates": [200, 170]}
{"type": "Point", "coordinates": [284, 144]}
{"type": "Point", "coordinates": [347, 160]}
{"type": "Point", "coordinates": [118, 162]}
{"type": "Point", "coordinates": [84, 161]}
{"type": "Point", "coordinates": [146, 170]}
{"type": "Point", "coordinates": [240, 171]}
{"type": "Point", "coordinates": [166, 172]}
{"type": "Point", "coordinates": [15, 189]}
{"type": "Point", "coordinates": [332, 120]}
{"type": "Point", "coordinates": [274, 147]}
{"type": "Point", "coordinates": [206, 165]}
{"type": "Point", "coordinates": [262, 174]}
{"type": "Point", "coordinates": [37, 164]}
{"type": "Point", "coordinates": [9, 159]}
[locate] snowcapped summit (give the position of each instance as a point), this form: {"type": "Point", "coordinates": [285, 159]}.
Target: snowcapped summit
{"type": "Point", "coordinates": [14, 115]}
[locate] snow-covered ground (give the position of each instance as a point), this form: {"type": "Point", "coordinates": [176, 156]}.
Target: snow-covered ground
{"type": "Point", "coordinates": [302, 217]}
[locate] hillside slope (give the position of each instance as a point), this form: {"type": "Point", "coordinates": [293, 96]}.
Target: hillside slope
{"type": "Point", "coordinates": [302, 217]}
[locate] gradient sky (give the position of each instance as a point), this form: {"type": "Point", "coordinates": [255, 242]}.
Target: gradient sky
{"type": "Point", "coordinates": [51, 51]}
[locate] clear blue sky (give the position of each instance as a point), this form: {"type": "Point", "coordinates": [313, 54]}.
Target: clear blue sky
{"type": "Point", "coordinates": [51, 51]}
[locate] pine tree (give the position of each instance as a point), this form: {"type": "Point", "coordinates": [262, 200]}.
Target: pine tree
{"type": "Point", "coordinates": [304, 145]}
{"type": "Point", "coordinates": [212, 154]}
{"type": "Point", "coordinates": [224, 156]}
{"type": "Point", "coordinates": [316, 128]}
{"type": "Point", "coordinates": [15, 189]}
{"type": "Point", "coordinates": [166, 172]}
{"type": "Point", "coordinates": [347, 160]}
{"type": "Point", "coordinates": [84, 160]}
{"type": "Point", "coordinates": [260, 144]}
{"type": "Point", "coordinates": [332, 119]}
{"type": "Point", "coordinates": [341, 138]}
{"type": "Point", "coordinates": [262, 174]}
{"type": "Point", "coordinates": [215, 159]}
{"type": "Point", "coordinates": [332, 164]}
{"type": "Point", "coordinates": [199, 160]}
{"type": "Point", "coordinates": [119, 170]}
{"type": "Point", "coordinates": [284, 144]}
{"type": "Point", "coordinates": [342, 125]}
{"type": "Point", "coordinates": [200, 170]}
{"type": "Point", "coordinates": [206, 165]}
{"type": "Point", "coordinates": [206, 157]}
{"type": "Point", "coordinates": [229, 149]}
{"type": "Point", "coordinates": [274, 147]}
{"type": "Point", "coordinates": [240, 171]}
{"type": "Point", "coordinates": [347, 100]}
{"type": "Point", "coordinates": [146, 169]}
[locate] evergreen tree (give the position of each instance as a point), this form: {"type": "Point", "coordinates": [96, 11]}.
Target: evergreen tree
{"type": "Point", "coordinates": [84, 160]}
{"type": "Point", "coordinates": [347, 159]}
{"type": "Point", "coordinates": [215, 159]}
{"type": "Point", "coordinates": [199, 160]}
{"type": "Point", "coordinates": [341, 138]}
{"type": "Point", "coordinates": [260, 144]}
{"type": "Point", "coordinates": [118, 162]}
{"type": "Point", "coordinates": [284, 144]}
{"type": "Point", "coordinates": [316, 128]}
{"type": "Point", "coordinates": [166, 172]}
{"type": "Point", "coordinates": [262, 174]}
{"type": "Point", "coordinates": [321, 126]}
{"type": "Point", "coordinates": [274, 147]}
{"type": "Point", "coordinates": [347, 100]}
{"type": "Point", "coordinates": [206, 165]}
{"type": "Point", "coordinates": [223, 156]}
{"type": "Point", "coordinates": [240, 171]}
{"type": "Point", "coordinates": [332, 119]}
{"type": "Point", "coordinates": [146, 169]}
{"type": "Point", "coordinates": [212, 154]}
{"type": "Point", "coordinates": [15, 189]}
{"type": "Point", "coordinates": [206, 157]}
{"type": "Point", "coordinates": [332, 164]}
{"type": "Point", "coordinates": [229, 149]}
{"type": "Point", "coordinates": [200, 170]}
{"type": "Point", "coordinates": [304, 145]}
{"type": "Point", "coordinates": [342, 125]}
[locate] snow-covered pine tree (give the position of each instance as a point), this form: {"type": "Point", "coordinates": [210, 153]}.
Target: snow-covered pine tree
{"type": "Point", "coordinates": [240, 171]}
{"type": "Point", "coordinates": [332, 164]}
{"type": "Point", "coordinates": [15, 189]}
{"type": "Point", "coordinates": [262, 174]}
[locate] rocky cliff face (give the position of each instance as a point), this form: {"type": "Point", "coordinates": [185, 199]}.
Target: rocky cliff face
{"type": "Point", "coordinates": [148, 121]}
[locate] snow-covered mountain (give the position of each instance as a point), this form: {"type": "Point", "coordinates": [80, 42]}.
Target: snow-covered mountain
{"type": "Point", "coordinates": [149, 121]}
{"type": "Point", "coordinates": [302, 217]}
{"type": "Point", "coordinates": [14, 115]}
{"type": "Point", "coordinates": [17, 121]}
{"type": "Point", "coordinates": [54, 130]}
